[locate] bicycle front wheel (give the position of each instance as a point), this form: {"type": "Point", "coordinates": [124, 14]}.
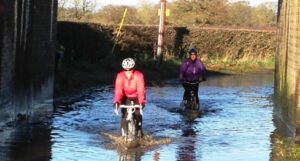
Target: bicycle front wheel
{"type": "Point", "coordinates": [194, 105]}
{"type": "Point", "coordinates": [131, 130]}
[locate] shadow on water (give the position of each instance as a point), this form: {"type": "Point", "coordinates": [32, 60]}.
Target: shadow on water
{"type": "Point", "coordinates": [24, 142]}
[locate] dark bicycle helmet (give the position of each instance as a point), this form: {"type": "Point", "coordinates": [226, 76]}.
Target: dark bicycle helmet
{"type": "Point", "coordinates": [193, 50]}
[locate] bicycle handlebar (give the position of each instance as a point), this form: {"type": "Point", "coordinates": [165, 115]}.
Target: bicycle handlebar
{"type": "Point", "coordinates": [193, 82]}
{"type": "Point", "coordinates": [128, 107]}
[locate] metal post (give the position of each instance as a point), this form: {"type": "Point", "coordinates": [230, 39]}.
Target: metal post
{"type": "Point", "coordinates": [161, 31]}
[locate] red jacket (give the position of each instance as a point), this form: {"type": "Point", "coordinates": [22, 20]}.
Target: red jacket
{"type": "Point", "coordinates": [134, 87]}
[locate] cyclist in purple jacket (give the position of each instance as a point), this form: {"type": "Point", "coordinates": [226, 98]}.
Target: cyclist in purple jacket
{"type": "Point", "coordinates": [192, 72]}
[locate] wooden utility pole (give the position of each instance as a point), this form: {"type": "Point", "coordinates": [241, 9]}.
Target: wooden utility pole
{"type": "Point", "coordinates": [161, 30]}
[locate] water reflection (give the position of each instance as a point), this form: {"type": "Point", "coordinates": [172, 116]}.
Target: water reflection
{"type": "Point", "coordinates": [156, 156]}
{"type": "Point", "coordinates": [186, 150]}
{"type": "Point", "coordinates": [26, 142]}
{"type": "Point", "coordinates": [131, 155]}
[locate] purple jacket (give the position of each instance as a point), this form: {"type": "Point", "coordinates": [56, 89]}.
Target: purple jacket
{"type": "Point", "coordinates": [191, 71]}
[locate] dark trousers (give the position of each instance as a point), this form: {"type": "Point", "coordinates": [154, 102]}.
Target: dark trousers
{"type": "Point", "coordinates": [188, 87]}
{"type": "Point", "coordinates": [136, 116]}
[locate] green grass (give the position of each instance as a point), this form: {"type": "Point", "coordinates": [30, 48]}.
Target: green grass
{"type": "Point", "coordinates": [284, 149]}
{"type": "Point", "coordinates": [238, 67]}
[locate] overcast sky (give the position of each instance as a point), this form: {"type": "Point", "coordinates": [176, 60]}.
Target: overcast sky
{"type": "Point", "coordinates": [137, 2]}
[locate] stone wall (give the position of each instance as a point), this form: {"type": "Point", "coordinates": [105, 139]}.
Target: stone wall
{"type": "Point", "coordinates": [27, 45]}
{"type": "Point", "coordinates": [287, 78]}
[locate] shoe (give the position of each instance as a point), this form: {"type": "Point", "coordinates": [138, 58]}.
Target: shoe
{"type": "Point", "coordinates": [140, 134]}
{"type": "Point", "coordinates": [123, 132]}
{"type": "Point", "coordinates": [195, 107]}
{"type": "Point", "coordinates": [184, 102]}
{"type": "Point", "coordinates": [129, 139]}
{"type": "Point", "coordinates": [182, 105]}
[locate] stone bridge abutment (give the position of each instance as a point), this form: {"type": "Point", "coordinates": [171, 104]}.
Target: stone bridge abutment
{"type": "Point", "coordinates": [287, 70]}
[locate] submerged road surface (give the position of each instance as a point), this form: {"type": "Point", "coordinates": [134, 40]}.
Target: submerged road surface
{"type": "Point", "coordinates": [236, 125]}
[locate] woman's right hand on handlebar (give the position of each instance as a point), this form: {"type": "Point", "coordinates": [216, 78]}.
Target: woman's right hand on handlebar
{"type": "Point", "coordinates": [202, 80]}
{"type": "Point", "coordinates": [142, 106]}
{"type": "Point", "coordinates": [116, 108]}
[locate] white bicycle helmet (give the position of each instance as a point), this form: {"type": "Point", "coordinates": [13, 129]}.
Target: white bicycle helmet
{"type": "Point", "coordinates": [128, 63]}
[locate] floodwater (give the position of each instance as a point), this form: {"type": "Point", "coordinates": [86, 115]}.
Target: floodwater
{"type": "Point", "coordinates": [236, 125]}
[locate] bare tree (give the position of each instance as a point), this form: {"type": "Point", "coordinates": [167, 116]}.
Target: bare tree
{"type": "Point", "coordinates": [62, 11]}
{"type": "Point", "coordinates": [147, 13]}
{"type": "Point", "coordinates": [112, 14]}
{"type": "Point", "coordinates": [183, 12]}
{"type": "Point", "coordinates": [76, 10]}
{"type": "Point", "coordinates": [62, 3]}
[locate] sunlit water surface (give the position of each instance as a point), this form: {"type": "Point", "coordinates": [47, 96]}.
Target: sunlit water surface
{"type": "Point", "coordinates": [235, 126]}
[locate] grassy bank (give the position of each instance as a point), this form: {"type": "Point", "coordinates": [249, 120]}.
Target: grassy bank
{"type": "Point", "coordinates": [238, 67]}
{"type": "Point", "coordinates": [284, 149]}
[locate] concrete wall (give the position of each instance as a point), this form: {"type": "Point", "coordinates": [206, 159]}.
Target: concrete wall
{"type": "Point", "coordinates": [27, 47]}
{"type": "Point", "coordinates": [287, 78]}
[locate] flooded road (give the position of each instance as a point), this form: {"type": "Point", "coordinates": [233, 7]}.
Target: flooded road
{"type": "Point", "coordinates": [236, 125]}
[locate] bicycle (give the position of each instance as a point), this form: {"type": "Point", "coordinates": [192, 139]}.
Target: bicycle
{"type": "Point", "coordinates": [191, 102]}
{"type": "Point", "coordinates": [131, 132]}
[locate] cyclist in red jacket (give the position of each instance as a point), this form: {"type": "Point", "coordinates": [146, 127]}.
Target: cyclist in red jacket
{"type": "Point", "coordinates": [130, 86]}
